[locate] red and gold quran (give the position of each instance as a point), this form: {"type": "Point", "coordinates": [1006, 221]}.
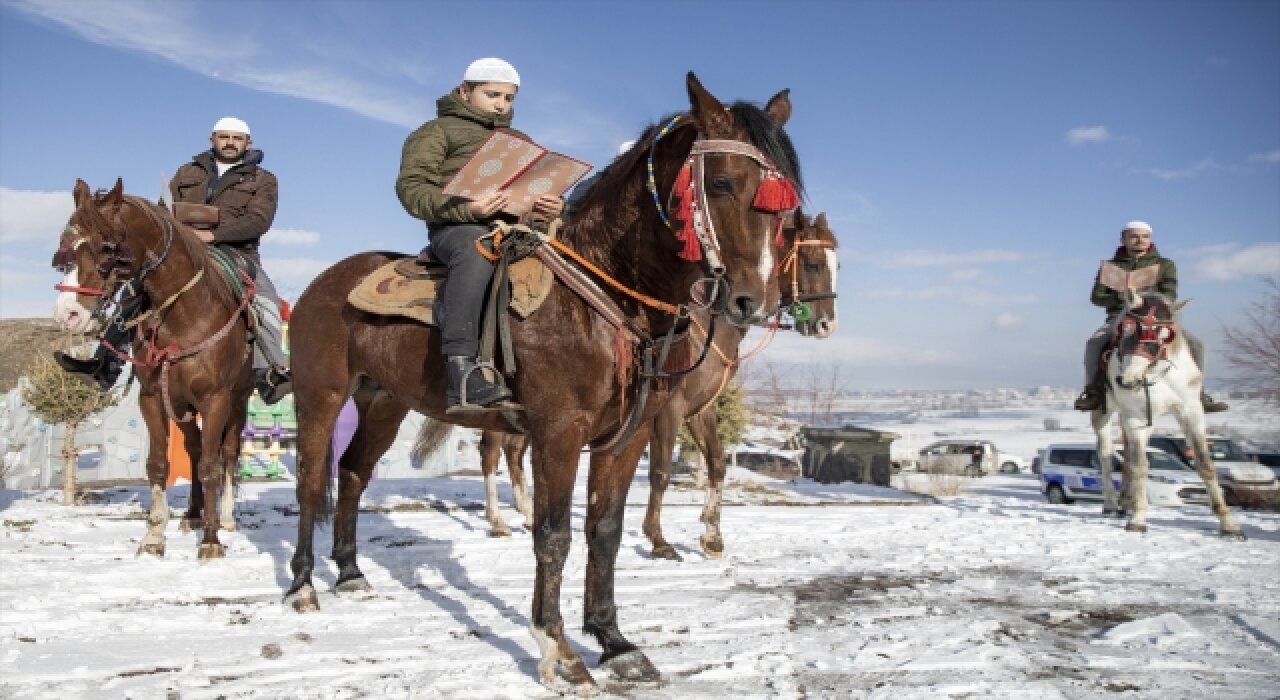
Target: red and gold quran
{"type": "Point", "coordinates": [525, 169]}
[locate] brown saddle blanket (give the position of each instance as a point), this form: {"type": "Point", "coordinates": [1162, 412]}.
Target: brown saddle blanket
{"type": "Point", "coordinates": [408, 287]}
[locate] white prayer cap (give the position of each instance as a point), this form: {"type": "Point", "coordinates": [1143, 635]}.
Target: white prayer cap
{"type": "Point", "coordinates": [491, 70]}
{"type": "Point", "coordinates": [625, 146]}
{"type": "Point", "coordinates": [1137, 225]}
{"type": "Point", "coordinates": [232, 124]}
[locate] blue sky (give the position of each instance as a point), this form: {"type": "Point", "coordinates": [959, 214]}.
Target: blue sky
{"type": "Point", "coordinates": [976, 159]}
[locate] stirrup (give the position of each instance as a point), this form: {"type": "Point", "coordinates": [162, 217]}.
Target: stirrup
{"type": "Point", "coordinates": [465, 406]}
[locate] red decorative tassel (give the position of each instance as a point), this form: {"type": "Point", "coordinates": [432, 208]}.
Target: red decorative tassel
{"type": "Point", "coordinates": [778, 239]}
{"type": "Point", "coordinates": [776, 194]}
{"type": "Point", "coordinates": [683, 213]}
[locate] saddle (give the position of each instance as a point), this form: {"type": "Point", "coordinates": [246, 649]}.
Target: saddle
{"type": "Point", "coordinates": [409, 287]}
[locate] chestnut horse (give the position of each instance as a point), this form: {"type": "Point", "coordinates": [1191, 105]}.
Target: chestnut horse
{"type": "Point", "coordinates": [193, 343]}
{"type": "Point", "coordinates": [577, 375]}
{"type": "Point", "coordinates": [807, 275]}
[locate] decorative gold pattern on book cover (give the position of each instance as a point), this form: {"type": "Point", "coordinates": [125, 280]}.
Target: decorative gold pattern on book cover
{"type": "Point", "coordinates": [1119, 279]}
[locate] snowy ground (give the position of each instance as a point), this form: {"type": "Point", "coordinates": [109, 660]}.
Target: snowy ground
{"type": "Point", "coordinates": [824, 592]}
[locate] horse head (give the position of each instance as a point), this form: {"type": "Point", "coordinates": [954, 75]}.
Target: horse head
{"type": "Point", "coordinates": [1144, 332]}
{"type": "Point", "coordinates": [92, 256]}
{"type": "Point", "coordinates": [807, 282]}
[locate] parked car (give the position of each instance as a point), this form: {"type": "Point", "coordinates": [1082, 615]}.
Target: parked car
{"type": "Point", "coordinates": [968, 457]}
{"type": "Point", "coordinates": [1243, 481]}
{"type": "Point", "coordinates": [1270, 460]}
{"type": "Point", "coordinates": [1070, 472]}
{"type": "Point", "coordinates": [1011, 464]}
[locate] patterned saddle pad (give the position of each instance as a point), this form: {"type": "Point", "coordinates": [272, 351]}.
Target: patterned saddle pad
{"type": "Point", "coordinates": [408, 287]}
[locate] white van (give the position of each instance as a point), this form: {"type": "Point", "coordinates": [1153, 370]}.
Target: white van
{"type": "Point", "coordinates": [1069, 472]}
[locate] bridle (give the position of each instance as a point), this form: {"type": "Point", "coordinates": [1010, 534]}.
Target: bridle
{"type": "Point", "coordinates": [794, 301]}
{"type": "Point", "coordinates": [776, 195]}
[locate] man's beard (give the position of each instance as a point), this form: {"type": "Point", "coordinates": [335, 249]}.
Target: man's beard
{"type": "Point", "coordinates": [236, 158]}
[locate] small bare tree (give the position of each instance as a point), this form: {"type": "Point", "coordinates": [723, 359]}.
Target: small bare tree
{"type": "Point", "coordinates": [1253, 346]}
{"type": "Point", "coordinates": [54, 397]}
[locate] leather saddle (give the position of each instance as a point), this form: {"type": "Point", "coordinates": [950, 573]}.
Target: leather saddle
{"type": "Point", "coordinates": [409, 287]}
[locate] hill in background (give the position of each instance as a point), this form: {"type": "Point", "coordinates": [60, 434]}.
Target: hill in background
{"type": "Point", "coordinates": [22, 340]}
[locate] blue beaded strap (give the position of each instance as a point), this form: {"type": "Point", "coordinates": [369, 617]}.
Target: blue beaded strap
{"type": "Point", "coordinates": [653, 181]}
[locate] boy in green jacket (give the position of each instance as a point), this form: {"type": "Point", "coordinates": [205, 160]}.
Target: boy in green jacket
{"type": "Point", "coordinates": [432, 154]}
{"type": "Point", "coordinates": [1136, 251]}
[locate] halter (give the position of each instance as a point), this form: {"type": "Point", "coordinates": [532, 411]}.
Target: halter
{"type": "Point", "coordinates": [776, 195]}
{"type": "Point", "coordinates": [795, 301]}
{"type": "Point", "coordinates": [1150, 330]}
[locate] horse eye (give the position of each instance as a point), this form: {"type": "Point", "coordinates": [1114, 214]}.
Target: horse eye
{"type": "Point", "coordinates": [721, 185]}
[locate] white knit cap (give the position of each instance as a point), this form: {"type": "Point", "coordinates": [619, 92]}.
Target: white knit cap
{"type": "Point", "coordinates": [625, 146]}
{"type": "Point", "coordinates": [232, 124]}
{"type": "Point", "coordinates": [491, 70]}
{"type": "Point", "coordinates": [1137, 224]}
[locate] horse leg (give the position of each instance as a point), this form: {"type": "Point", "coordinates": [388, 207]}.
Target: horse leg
{"type": "Point", "coordinates": [157, 474]}
{"type": "Point", "coordinates": [231, 441]}
{"type": "Point", "coordinates": [380, 418]}
{"type": "Point", "coordinates": [1101, 421]}
{"type": "Point", "coordinates": [490, 454]}
{"type": "Point", "coordinates": [666, 425]}
{"type": "Point", "coordinates": [703, 429]}
{"type": "Point", "coordinates": [555, 467]}
{"type": "Point", "coordinates": [607, 484]}
{"type": "Point", "coordinates": [1136, 466]}
{"type": "Point", "coordinates": [1191, 419]}
{"type": "Point", "coordinates": [317, 410]}
{"type": "Point", "coordinates": [215, 416]}
{"type": "Point", "coordinates": [190, 521]}
{"type": "Point", "coordinates": [515, 447]}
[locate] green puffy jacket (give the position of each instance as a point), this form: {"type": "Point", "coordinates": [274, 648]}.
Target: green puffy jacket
{"type": "Point", "coordinates": [1113, 302]}
{"type": "Point", "coordinates": [437, 150]}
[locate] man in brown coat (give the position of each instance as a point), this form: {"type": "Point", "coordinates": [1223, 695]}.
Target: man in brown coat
{"type": "Point", "coordinates": [243, 194]}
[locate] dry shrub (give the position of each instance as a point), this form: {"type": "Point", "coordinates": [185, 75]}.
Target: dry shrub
{"type": "Point", "coordinates": [933, 483]}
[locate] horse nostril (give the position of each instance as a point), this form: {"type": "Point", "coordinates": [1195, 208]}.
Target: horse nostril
{"type": "Point", "coordinates": [745, 306]}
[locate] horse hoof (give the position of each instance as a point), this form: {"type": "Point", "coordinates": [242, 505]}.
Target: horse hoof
{"type": "Point", "coordinates": [713, 546]}
{"type": "Point", "coordinates": [1134, 527]}
{"type": "Point", "coordinates": [211, 551]}
{"type": "Point", "coordinates": [632, 667]}
{"type": "Point", "coordinates": [569, 677]}
{"type": "Point", "coordinates": [1237, 535]}
{"type": "Point", "coordinates": [229, 527]}
{"type": "Point", "coordinates": [303, 600]}
{"type": "Point", "coordinates": [503, 531]}
{"type": "Point", "coordinates": [665, 551]}
{"type": "Point", "coordinates": [187, 525]}
{"type": "Point", "coordinates": [152, 548]}
{"type": "Point", "coordinates": [353, 585]}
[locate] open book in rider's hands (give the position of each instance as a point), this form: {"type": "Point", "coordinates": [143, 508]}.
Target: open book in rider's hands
{"type": "Point", "coordinates": [507, 162]}
{"type": "Point", "coordinates": [1115, 277]}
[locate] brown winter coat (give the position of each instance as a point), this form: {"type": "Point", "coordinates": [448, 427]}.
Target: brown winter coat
{"type": "Point", "coordinates": [437, 150]}
{"type": "Point", "coordinates": [245, 196]}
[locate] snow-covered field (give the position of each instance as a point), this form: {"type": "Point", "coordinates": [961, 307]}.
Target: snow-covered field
{"type": "Point", "coordinates": [824, 592]}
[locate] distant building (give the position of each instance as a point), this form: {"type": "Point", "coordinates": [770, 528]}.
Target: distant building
{"type": "Point", "coordinates": [850, 453]}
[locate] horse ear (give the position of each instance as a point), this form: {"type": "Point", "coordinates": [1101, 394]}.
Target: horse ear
{"type": "Point", "coordinates": [779, 107]}
{"type": "Point", "coordinates": [712, 119]}
{"type": "Point", "coordinates": [1177, 308]}
{"type": "Point", "coordinates": [80, 192]}
{"type": "Point", "coordinates": [821, 220]}
{"type": "Point", "coordinates": [115, 197]}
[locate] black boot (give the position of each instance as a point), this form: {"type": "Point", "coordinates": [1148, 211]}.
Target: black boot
{"type": "Point", "coordinates": [479, 393]}
{"type": "Point", "coordinates": [102, 370]}
{"type": "Point", "coordinates": [1211, 406]}
{"type": "Point", "coordinates": [1094, 396]}
{"type": "Point", "coordinates": [273, 384]}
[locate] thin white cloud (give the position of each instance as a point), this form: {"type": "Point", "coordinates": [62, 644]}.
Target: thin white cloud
{"type": "Point", "coordinates": [962, 295]}
{"type": "Point", "coordinates": [1009, 321]}
{"type": "Point", "coordinates": [935, 258]}
{"type": "Point", "coordinates": [289, 237]}
{"type": "Point", "coordinates": [27, 215]}
{"type": "Point", "coordinates": [1082, 135]}
{"type": "Point", "coordinates": [1271, 157]}
{"type": "Point", "coordinates": [26, 288]}
{"type": "Point", "coordinates": [1231, 262]}
{"type": "Point", "coordinates": [968, 274]}
{"type": "Point", "coordinates": [292, 275]}
{"type": "Point", "coordinates": [173, 32]}
{"type": "Point", "coordinates": [1183, 173]}
{"type": "Point", "coordinates": [854, 351]}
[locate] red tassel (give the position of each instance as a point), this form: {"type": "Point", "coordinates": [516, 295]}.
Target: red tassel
{"type": "Point", "coordinates": [683, 213]}
{"type": "Point", "coordinates": [776, 194]}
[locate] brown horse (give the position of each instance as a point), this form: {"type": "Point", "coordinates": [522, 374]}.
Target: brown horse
{"type": "Point", "coordinates": [193, 345]}
{"type": "Point", "coordinates": [577, 372]}
{"type": "Point", "coordinates": [807, 271]}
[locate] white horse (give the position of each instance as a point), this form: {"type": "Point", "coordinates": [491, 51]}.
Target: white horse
{"type": "Point", "coordinates": [1150, 372]}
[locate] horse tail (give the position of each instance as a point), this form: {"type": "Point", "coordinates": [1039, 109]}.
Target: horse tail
{"type": "Point", "coordinates": [431, 437]}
